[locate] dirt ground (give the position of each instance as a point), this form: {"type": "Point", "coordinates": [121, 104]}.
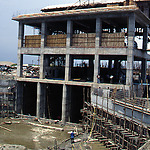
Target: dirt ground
{"type": "Point", "coordinates": [41, 135]}
{"type": "Point", "coordinates": [20, 132]}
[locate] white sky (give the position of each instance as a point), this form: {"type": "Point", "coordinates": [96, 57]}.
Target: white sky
{"type": "Point", "coordinates": [9, 28]}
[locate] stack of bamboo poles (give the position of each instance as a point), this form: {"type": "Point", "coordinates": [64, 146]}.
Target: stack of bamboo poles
{"type": "Point", "coordinates": [113, 39]}
{"type": "Point", "coordinates": [33, 41]}
{"type": "Point", "coordinates": [83, 40]}
{"type": "Point", "coordinates": [58, 40]}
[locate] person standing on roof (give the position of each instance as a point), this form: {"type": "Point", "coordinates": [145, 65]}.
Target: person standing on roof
{"type": "Point", "coordinates": [72, 137]}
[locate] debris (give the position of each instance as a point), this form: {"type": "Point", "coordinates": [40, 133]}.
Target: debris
{"type": "Point", "coordinates": [5, 128]}
{"type": "Point", "coordinates": [8, 122]}
{"type": "Point", "coordinates": [49, 127]}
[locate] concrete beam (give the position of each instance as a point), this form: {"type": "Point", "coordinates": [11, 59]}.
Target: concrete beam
{"type": "Point", "coordinates": [75, 51]}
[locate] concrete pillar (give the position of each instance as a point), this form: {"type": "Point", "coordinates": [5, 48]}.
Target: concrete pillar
{"type": "Point", "coordinates": [98, 32]}
{"type": "Point", "coordinates": [43, 34]}
{"type": "Point", "coordinates": [41, 98]}
{"type": "Point", "coordinates": [146, 9]}
{"type": "Point", "coordinates": [20, 35]}
{"type": "Point", "coordinates": [110, 64]}
{"type": "Point", "coordinates": [143, 70]}
{"type": "Point", "coordinates": [145, 38]}
{"type": "Point", "coordinates": [66, 100]}
{"type": "Point", "coordinates": [96, 68]}
{"type": "Point", "coordinates": [68, 66]}
{"type": "Point", "coordinates": [130, 50]}
{"type": "Point", "coordinates": [68, 63]}
{"type": "Point", "coordinates": [19, 103]}
{"type": "Point", "coordinates": [19, 64]}
{"type": "Point", "coordinates": [69, 33]}
{"type": "Point", "coordinates": [46, 65]}
{"type": "Point", "coordinates": [42, 75]}
{"type": "Point", "coordinates": [97, 44]}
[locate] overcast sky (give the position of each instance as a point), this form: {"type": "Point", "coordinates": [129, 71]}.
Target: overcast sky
{"type": "Point", "coordinates": [9, 28]}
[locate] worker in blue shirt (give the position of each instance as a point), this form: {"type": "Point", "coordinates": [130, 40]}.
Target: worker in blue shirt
{"type": "Point", "coordinates": [72, 137]}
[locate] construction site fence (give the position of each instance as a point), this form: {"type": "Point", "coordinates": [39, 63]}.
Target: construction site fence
{"type": "Point", "coordinates": [122, 95]}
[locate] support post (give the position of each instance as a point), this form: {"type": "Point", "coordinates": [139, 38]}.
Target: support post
{"type": "Point", "coordinates": [68, 63]}
{"type": "Point", "coordinates": [19, 107]}
{"type": "Point", "coordinates": [65, 103]}
{"type": "Point", "coordinates": [146, 10]}
{"type": "Point", "coordinates": [145, 38]}
{"type": "Point", "coordinates": [43, 34]}
{"type": "Point", "coordinates": [69, 33]}
{"type": "Point", "coordinates": [20, 35]}
{"type": "Point", "coordinates": [97, 44]}
{"type": "Point", "coordinates": [20, 44]}
{"type": "Point", "coordinates": [42, 75]}
{"type": "Point", "coordinates": [19, 64]}
{"type": "Point", "coordinates": [41, 97]}
{"type": "Point", "coordinates": [130, 50]}
{"type": "Point", "coordinates": [143, 70]}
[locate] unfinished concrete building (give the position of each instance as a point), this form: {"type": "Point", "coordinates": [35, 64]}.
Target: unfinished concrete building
{"type": "Point", "coordinates": [86, 50]}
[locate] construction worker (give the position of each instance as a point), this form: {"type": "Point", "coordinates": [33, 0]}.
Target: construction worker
{"type": "Point", "coordinates": [72, 137]}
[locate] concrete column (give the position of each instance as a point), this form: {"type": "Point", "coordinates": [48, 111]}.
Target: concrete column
{"type": "Point", "coordinates": [130, 50]}
{"type": "Point", "coordinates": [96, 68]}
{"type": "Point", "coordinates": [42, 75]}
{"type": "Point", "coordinates": [98, 32]}
{"type": "Point", "coordinates": [43, 34]}
{"type": "Point", "coordinates": [19, 103]}
{"type": "Point", "coordinates": [65, 104]}
{"type": "Point", "coordinates": [68, 66]}
{"type": "Point", "coordinates": [46, 65]}
{"type": "Point", "coordinates": [146, 10]}
{"type": "Point", "coordinates": [20, 34]}
{"type": "Point", "coordinates": [69, 33]}
{"type": "Point", "coordinates": [110, 64]}
{"type": "Point", "coordinates": [97, 44]}
{"type": "Point", "coordinates": [41, 98]}
{"type": "Point", "coordinates": [145, 38]}
{"type": "Point", "coordinates": [68, 63]}
{"type": "Point", "coordinates": [19, 64]}
{"type": "Point", "coordinates": [143, 70]}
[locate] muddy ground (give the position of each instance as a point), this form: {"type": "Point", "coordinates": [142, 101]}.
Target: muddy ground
{"type": "Point", "coordinates": [42, 135]}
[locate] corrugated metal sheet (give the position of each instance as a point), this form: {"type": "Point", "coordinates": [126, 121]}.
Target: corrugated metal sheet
{"type": "Point", "coordinates": [78, 11]}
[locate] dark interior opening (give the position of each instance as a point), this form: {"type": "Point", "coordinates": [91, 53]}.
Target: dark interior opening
{"type": "Point", "coordinates": [78, 96]}
{"type": "Point", "coordinates": [29, 98]}
{"type": "Point", "coordinates": [54, 101]}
